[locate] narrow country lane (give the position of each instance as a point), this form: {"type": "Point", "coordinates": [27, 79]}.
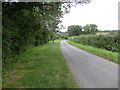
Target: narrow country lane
{"type": "Point", "coordinates": [91, 71]}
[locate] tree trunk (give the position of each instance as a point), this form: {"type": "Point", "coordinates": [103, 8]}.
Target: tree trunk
{"type": "Point", "coordinates": [53, 41]}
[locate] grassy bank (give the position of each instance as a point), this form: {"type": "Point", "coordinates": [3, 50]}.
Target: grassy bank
{"type": "Point", "coordinates": [112, 56]}
{"type": "Point", "coordinates": [39, 67]}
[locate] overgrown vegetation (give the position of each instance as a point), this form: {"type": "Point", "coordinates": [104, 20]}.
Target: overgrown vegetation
{"type": "Point", "coordinates": [112, 56]}
{"type": "Point", "coordinates": [39, 67]}
{"type": "Point", "coordinates": [109, 42]}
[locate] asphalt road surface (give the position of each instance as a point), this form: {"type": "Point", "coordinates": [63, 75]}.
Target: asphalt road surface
{"type": "Point", "coordinates": [90, 71]}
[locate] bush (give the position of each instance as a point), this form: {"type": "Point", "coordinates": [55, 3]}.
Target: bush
{"type": "Point", "coordinates": [108, 42]}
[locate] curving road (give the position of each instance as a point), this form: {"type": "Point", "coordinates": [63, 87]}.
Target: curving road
{"type": "Point", "coordinates": [90, 71]}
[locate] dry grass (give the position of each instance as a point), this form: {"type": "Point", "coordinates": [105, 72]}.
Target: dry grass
{"type": "Point", "coordinates": [102, 33]}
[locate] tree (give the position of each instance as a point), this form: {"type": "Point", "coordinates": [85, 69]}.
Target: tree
{"type": "Point", "coordinates": [26, 23]}
{"type": "Point", "coordinates": [74, 30]}
{"type": "Point", "coordinates": [90, 29]}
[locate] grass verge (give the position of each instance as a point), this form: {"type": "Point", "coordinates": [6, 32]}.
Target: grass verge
{"type": "Point", "coordinates": [112, 56]}
{"type": "Point", "coordinates": [39, 67]}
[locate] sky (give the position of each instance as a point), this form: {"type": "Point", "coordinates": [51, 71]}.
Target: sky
{"type": "Point", "coordinates": [103, 13]}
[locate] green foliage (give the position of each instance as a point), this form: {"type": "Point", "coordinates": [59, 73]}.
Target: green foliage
{"type": "Point", "coordinates": [27, 23]}
{"type": "Point", "coordinates": [63, 35]}
{"type": "Point", "coordinates": [74, 30]}
{"type": "Point", "coordinates": [90, 29]}
{"type": "Point", "coordinates": [108, 42]}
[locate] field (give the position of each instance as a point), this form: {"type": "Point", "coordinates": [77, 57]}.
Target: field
{"type": "Point", "coordinates": [39, 67]}
{"type": "Point", "coordinates": [102, 33]}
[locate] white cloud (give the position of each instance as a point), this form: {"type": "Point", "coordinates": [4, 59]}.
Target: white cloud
{"type": "Point", "coordinates": [103, 13]}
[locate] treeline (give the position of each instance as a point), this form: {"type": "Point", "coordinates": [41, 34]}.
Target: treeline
{"type": "Point", "coordinates": [109, 42]}
{"type": "Point", "coordinates": [28, 23]}
{"type": "Point", "coordinates": [76, 30]}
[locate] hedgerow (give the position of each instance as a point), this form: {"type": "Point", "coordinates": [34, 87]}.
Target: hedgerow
{"type": "Point", "coordinates": [108, 42]}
